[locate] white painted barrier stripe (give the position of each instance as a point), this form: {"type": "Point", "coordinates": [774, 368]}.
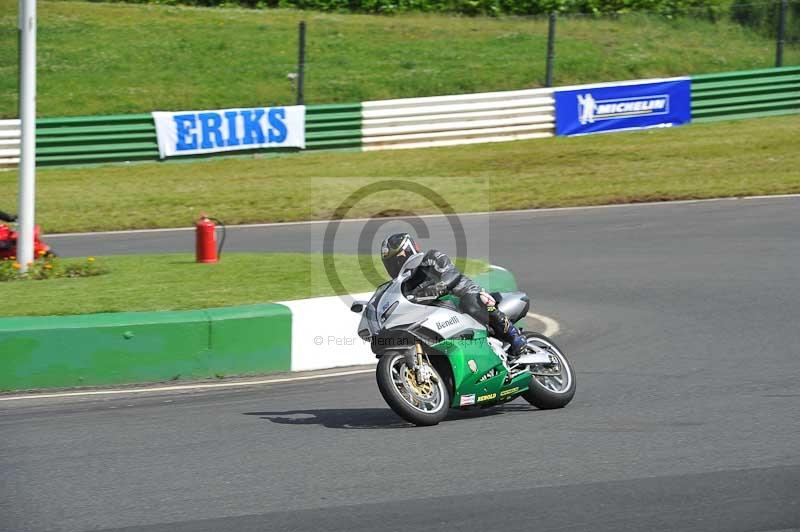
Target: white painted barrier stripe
{"type": "Point", "coordinates": [457, 133]}
{"type": "Point", "coordinates": [499, 95]}
{"type": "Point", "coordinates": [10, 135]}
{"type": "Point", "coordinates": [459, 126]}
{"type": "Point", "coordinates": [464, 106]}
{"type": "Point", "coordinates": [457, 142]}
{"type": "Point", "coordinates": [457, 119]}
{"type": "Point", "coordinates": [324, 333]}
{"type": "Point", "coordinates": [533, 112]}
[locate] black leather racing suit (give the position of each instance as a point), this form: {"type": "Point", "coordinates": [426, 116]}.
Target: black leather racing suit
{"type": "Point", "coordinates": [436, 273]}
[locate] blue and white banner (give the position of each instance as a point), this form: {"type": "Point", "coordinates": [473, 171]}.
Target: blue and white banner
{"type": "Point", "coordinates": [625, 105]}
{"type": "Point", "coordinates": [193, 132]}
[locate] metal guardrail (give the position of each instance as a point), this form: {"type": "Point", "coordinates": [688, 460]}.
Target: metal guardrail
{"type": "Point", "coordinates": [403, 123]}
{"type": "Point", "coordinates": [122, 138]}
{"type": "Point", "coordinates": [458, 119]}
{"type": "Point", "coordinates": [9, 143]}
{"type": "Point", "coordinates": [333, 127]}
{"type": "Point", "coordinates": [746, 94]}
{"type": "Point", "coordinates": [95, 139]}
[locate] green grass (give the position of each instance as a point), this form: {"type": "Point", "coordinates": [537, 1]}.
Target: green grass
{"type": "Point", "coordinates": [176, 282]}
{"type": "Point", "coordinates": [96, 58]}
{"type": "Point", "coordinates": [759, 156]}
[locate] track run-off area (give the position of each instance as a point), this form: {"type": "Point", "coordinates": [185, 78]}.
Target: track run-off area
{"type": "Point", "coordinates": [681, 320]}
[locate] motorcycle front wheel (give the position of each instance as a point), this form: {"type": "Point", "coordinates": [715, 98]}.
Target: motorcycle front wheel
{"type": "Point", "coordinates": [420, 403]}
{"type": "Point", "coordinates": [552, 385]}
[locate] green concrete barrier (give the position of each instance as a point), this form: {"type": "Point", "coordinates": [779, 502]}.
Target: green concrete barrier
{"type": "Point", "coordinates": [103, 349]}
{"type": "Point", "coordinates": [250, 339]}
{"type": "Point", "coordinates": [140, 347]}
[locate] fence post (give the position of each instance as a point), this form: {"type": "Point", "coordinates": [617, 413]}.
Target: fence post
{"type": "Point", "coordinates": [301, 63]}
{"type": "Point", "coordinates": [551, 54]}
{"type": "Point", "coordinates": [781, 33]}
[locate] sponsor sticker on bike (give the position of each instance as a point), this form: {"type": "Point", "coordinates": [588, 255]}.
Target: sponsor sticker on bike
{"type": "Point", "coordinates": [467, 400]}
{"type": "Point", "coordinates": [453, 320]}
{"type": "Point", "coordinates": [515, 389]}
{"type": "Point", "coordinates": [487, 397]}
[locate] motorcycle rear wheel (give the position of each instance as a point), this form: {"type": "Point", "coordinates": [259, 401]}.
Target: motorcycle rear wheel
{"type": "Point", "coordinates": [421, 404]}
{"type": "Point", "coordinates": [551, 386]}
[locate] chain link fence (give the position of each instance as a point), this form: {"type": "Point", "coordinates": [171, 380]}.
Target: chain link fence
{"type": "Point", "coordinates": [742, 35]}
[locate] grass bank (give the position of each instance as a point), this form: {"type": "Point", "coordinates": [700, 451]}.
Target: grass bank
{"type": "Point", "coordinates": [176, 282]}
{"type": "Point", "coordinates": [96, 58]}
{"type": "Point", "coordinates": [758, 156]}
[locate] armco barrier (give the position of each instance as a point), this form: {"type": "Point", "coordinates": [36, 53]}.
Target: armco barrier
{"type": "Point", "coordinates": [9, 143]}
{"type": "Point", "coordinates": [332, 127]}
{"type": "Point", "coordinates": [119, 138]}
{"type": "Point", "coordinates": [746, 94]}
{"type": "Point", "coordinates": [95, 139]}
{"type": "Point", "coordinates": [458, 119]}
{"type": "Point", "coordinates": [404, 123]}
{"type": "Point", "coordinates": [136, 347]}
{"type": "Point", "coordinates": [102, 349]}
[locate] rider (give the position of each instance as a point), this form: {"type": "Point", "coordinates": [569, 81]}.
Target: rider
{"type": "Point", "coordinates": [436, 276]}
{"type": "Point", "coordinates": [9, 218]}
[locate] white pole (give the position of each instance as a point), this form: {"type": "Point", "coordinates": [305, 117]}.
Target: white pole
{"type": "Point", "coordinates": [27, 115]}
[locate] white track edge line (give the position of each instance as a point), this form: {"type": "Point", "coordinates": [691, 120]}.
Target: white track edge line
{"type": "Point", "coordinates": [185, 386]}
{"type": "Point", "coordinates": [551, 326]}
{"type": "Point", "coordinates": [481, 213]}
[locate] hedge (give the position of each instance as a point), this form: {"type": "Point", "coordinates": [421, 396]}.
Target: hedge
{"type": "Point", "coordinates": [709, 8]}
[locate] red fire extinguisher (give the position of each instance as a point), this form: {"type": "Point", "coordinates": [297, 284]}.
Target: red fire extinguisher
{"type": "Point", "coordinates": [206, 249]}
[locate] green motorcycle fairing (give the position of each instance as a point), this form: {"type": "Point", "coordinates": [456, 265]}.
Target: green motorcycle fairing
{"type": "Point", "coordinates": [479, 376]}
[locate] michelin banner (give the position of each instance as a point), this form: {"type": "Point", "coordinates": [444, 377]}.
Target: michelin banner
{"type": "Point", "coordinates": [194, 132]}
{"type": "Point", "coordinates": [625, 105]}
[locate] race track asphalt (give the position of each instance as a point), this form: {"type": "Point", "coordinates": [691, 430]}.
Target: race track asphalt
{"type": "Point", "coordinates": [682, 324]}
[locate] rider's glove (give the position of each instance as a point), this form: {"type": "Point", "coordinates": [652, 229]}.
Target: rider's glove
{"type": "Point", "coordinates": [430, 291]}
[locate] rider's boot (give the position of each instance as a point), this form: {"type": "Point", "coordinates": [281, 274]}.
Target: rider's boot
{"type": "Point", "coordinates": [517, 341]}
{"type": "Point", "coordinates": [504, 329]}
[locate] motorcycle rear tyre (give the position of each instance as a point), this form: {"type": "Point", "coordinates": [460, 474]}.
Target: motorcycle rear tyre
{"type": "Point", "coordinates": [543, 398]}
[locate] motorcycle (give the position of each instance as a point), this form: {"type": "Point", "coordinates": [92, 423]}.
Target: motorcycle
{"type": "Point", "coordinates": [9, 235]}
{"type": "Point", "coordinates": [432, 357]}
